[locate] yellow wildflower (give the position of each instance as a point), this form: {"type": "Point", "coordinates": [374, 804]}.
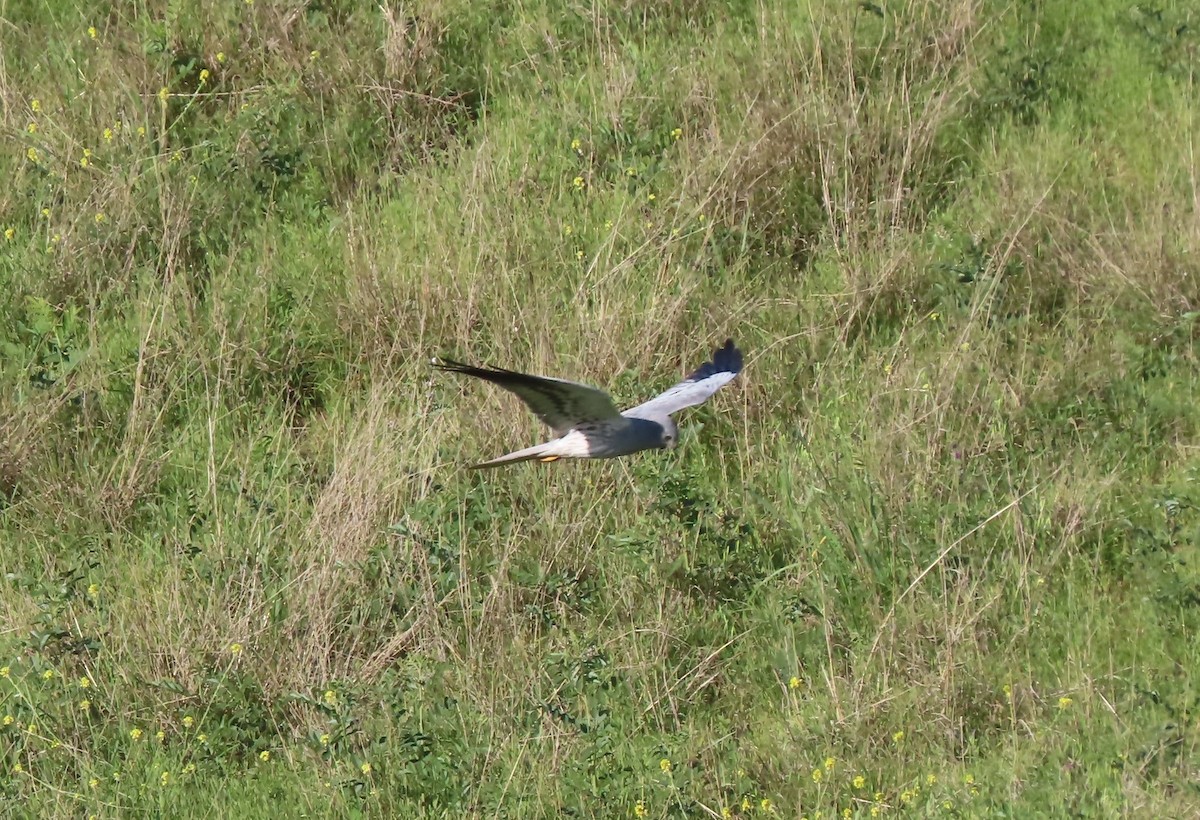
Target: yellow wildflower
{"type": "Point", "coordinates": [639, 808]}
{"type": "Point", "coordinates": [189, 768]}
{"type": "Point", "coordinates": [9, 233]}
{"type": "Point", "coordinates": [575, 144]}
{"type": "Point", "coordinates": [93, 782]}
{"type": "Point", "coordinates": [164, 778]}
{"type": "Point", "coordinates": [665, 765]}
{"type": "Point", "coordinates": [108, 135]}
{"type": "Point", "coordinates": [235, 649]}
{"type": "Point", "coordinates": [898, 736]}
{"type": "Point", "coordinates": [135, 733]}
{"type": "Point", "coordinates": [264, 755]}
{"type": "Point", "coordinates": [817, 775]}
{"type": "Point", "coordinates": [365, 768]}
{"type": "Point", "coordinates": [188, 720]}
{"type": "Point", "coordinates": [31, 128]}
{"type": "Point", "coordinates": [794, 682]}
{"type": "Point", "coordinates": [85, 682]}
{"type": "Point", "coordinates": [859, 781]}
{"type": "Point", "coordinates": [84, 705]}
{"type": "Point", "coordinates": [324, 739]}
{"type": "Point", "coordinates": [35, 104]}
{"type": "Point", "coordinates": [829, 761]}
{"type": "Point", "coordinates": [220, 56]}
{"type": "Point", "coordinates": [578, 183]}
{"type": "Point", "coordinates": [765, 805]}
{"type": "Point", "coordinates": [160, 735]}
{"type": "Point", "coordinates": [314, 56]}
{"type": "Point", "coordinates": [48, 674]}
{"type": "Point", "coordinates": [163, 95]}
{"type": "Point", "coordinates": [93, 590]}
{"type": "Point", "coordinates": [92, 32]}
{"type": "Point", "coordinates": [32, 154]}
{"type": "Point", "coordinates": [677, 133]}
{"type": "Point", "coordinates": [1064, 702]}
{"type": "Point", "coordinates": [100, 217]}
{"type": "Point", "coordinates": [8, 720]}
{"type": "Point", "coordinates": [203, 76]}
{"type": "Point", "coordinates": [202, 738]}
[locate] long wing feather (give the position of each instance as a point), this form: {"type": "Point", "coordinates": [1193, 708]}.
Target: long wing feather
{"type": "Point", "coordinates": [706, 380]}
{"type": "Point", "coordinates": [557, 402]}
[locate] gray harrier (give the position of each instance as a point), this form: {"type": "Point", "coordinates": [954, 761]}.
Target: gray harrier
{"type": "Point", "coordinates": [585, 420]}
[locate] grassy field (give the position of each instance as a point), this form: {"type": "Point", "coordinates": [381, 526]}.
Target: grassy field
{"type": "Point", "coordinates": [935, 553]}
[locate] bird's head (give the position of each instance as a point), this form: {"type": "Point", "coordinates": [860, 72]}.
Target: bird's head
{"type": "Point", "coordinates": [670, 433]}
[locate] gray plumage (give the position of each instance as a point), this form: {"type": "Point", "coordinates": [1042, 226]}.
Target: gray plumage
{"type": "Point", "coordinates": [585, 420]}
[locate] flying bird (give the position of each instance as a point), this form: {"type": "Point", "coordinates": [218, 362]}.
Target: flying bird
{"type": "Point", "coordinates": [585, 421]}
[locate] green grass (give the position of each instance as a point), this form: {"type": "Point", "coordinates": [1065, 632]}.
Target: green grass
{"type": "Point", "coordinates": [935, 553]}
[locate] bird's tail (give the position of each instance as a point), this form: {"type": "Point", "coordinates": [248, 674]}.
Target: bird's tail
{"type": "Point", "coordinates": [542, 452]}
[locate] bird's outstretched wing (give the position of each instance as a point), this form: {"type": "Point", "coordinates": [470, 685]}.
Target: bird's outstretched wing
{"type": "Point", "coordinates": [708, 378]}
{"type": "Point", "coordinates": [557, 402]}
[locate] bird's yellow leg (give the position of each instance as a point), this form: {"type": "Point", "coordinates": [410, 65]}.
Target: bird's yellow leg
{"type": "Point", "coordinates": [547, 459]}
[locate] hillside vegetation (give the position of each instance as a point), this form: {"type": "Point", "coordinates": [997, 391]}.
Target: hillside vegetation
{"type": "Point", "coordinates": [936, 552]}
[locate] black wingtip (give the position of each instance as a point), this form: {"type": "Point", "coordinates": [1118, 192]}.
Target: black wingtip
{"type": "Point", "coordinates": [447, 365]}
{"type": "Point", "coordinates": [452, 366]}
{"type": "Point", "coordinates": [725, 359]}
{"type": "Point", "coordinates": [728, 359]}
